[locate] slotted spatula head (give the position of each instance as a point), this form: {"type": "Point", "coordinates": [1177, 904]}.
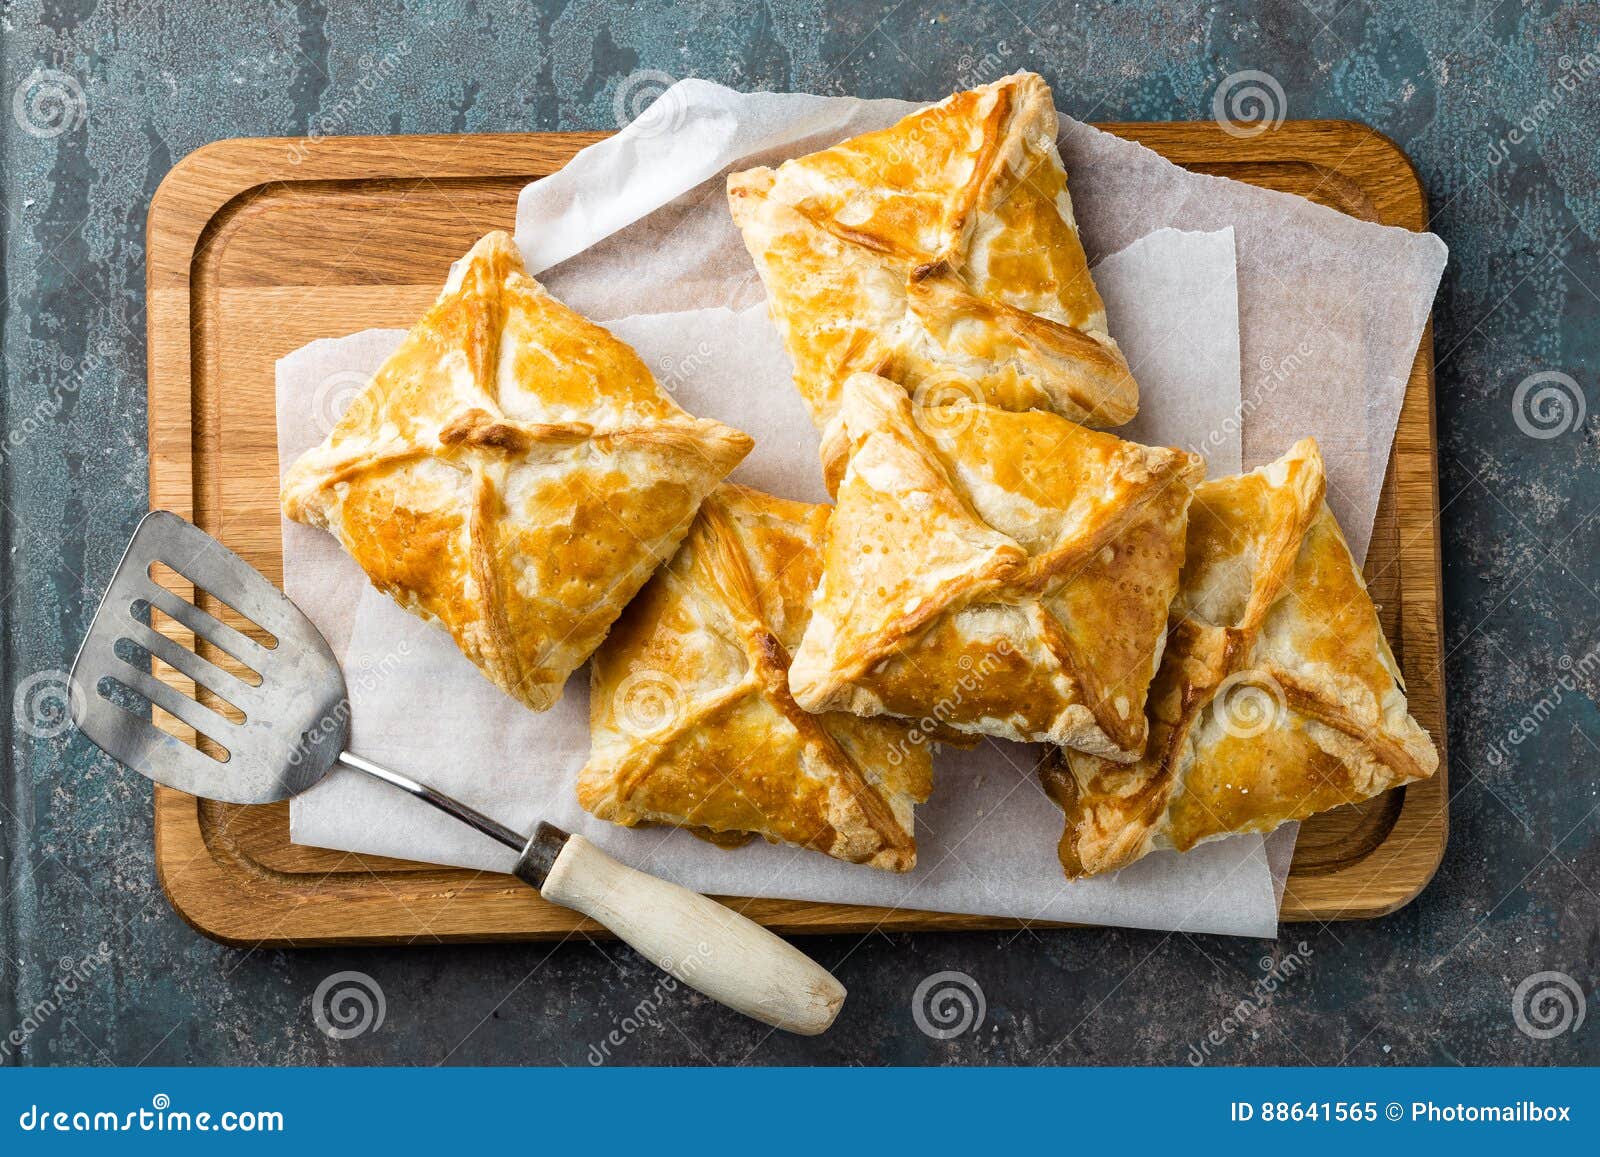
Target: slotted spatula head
{"type": "Point", "coordinates": [296, 720]}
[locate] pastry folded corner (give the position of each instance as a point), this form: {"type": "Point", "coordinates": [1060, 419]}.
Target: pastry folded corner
{"type": "Point", "coordinates": [512, 472]}
{"type": "Point", "coordinates": [995, 572]}
{"type": "Point", "coordinates": [942, 245]}
{"type": "Point", "coordinates": [692, 722]}
{"type": "Point", "coordinates": [1278, 696]}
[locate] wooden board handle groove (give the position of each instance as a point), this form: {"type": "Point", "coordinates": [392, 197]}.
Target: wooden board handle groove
{"type": "Point", "coordinates": [706, 945]}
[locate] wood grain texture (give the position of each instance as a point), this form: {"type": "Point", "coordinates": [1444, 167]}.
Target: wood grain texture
{"type": "Point", "coordinates": [259, 246]}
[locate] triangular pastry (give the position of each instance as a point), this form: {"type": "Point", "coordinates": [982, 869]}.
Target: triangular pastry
{"type": "Point", "coordinates": [691, 717]}
{"type": "Point", "coordinates": [995, 573]}
{"type": "Point", "coordinates": [1277, 697]}
{"type": "Point", "coordinates": [513, 473]}
{"type": "Point", "coordinates": [942, 253]}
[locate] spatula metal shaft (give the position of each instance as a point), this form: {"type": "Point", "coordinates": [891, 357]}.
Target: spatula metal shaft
{"type": "Point", "coordinates": [453, 807]}
{"type": "Point", "coordinates": [291, 729]}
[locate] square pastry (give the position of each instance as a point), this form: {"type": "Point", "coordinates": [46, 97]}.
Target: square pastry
{"type": "Point", "coordinates": [691, 717]}
{"type": "Point", "coordinates": [512, 473]}
{"type": "Point", "coordinates": [1277, 698]}
{"type": "Point", "coordinates": [995, 573]}
{"type": "Point", "coordinates": [941, 247]}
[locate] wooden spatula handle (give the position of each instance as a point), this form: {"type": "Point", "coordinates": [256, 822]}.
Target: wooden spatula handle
{"type": "Point", "coordinates": [706, 945]}
{"type": "Point", "coordinates": [709, 947]}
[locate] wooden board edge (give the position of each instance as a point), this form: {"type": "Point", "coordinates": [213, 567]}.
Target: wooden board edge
{"type": "Point", "coordinates": [1400, 868]}
{"type": "Point", "coordinates": [222, 901]}
{"type": "Point", "coordinates": [1402, 202]}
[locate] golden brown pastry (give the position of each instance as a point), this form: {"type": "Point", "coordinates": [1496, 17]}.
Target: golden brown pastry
{"type": "Point", "coordinates": [690, 711]}
{"type": "Point", "coordinates": [512, 472]}
{"type": "Point", "coordinates": [1277, 698]}
{"type": "Point", "coordinates": [941, 253]}
{"type": "Point", "coordinates": [995, 573]}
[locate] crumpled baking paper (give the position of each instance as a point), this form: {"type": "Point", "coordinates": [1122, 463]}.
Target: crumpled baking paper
{"type": "Point", "coordinates": [1330, 308]}
{"type": "Point", "coordinates": [986, 838]}
{"type": "Point", "coordinates": [638, 226]}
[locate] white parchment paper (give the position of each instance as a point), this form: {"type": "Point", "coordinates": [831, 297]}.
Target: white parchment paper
{"type": "Point", "coordinates": [1175, 300]}
{"type": "Point", "coordinates": [986, 839]}
{"type": "Point", "coordinates": [1330, 308]}
{"type": "Point", "coordinates": [1328, 314]}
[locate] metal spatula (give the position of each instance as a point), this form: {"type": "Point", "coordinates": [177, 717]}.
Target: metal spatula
{"type": "Point", "coordinates": [294, 730]}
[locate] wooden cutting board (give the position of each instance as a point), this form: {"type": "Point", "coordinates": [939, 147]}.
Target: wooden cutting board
{"type": "Point", "coordinates": [256, 247]}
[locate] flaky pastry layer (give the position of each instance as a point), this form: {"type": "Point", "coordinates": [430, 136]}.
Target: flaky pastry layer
{"type": "Point", "coordinates": [513, 472]}
{"type": "Point", "coordinates": [1277, 698]}
{"type": "Point", "coordinates": [692, 721]}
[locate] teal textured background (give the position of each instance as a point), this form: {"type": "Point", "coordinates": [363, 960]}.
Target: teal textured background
{"type": "Point", "coordinates": [1432, 984]}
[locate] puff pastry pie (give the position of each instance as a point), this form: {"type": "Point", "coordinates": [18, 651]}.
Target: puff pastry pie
{"type": "Point", "coordinates": [1277, 698]}
{"type": "Point", "coordinates": [513, 472]}
{"type": "Point", "coordinates": [995, 573]}
{"type": "Point", "coordinates": [691, 716]}
{"type": "Point", "coordinates": [942, 253]}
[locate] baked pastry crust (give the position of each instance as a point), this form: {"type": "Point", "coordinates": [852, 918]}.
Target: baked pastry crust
{"type": "Point", "coordinates": [995, 573]}
{"type": "Point", "coordinates": [691, 717]}
{"type": "Point", "coordinates": [942, 253]}
{"type": "Point", "coordinates": [1278, 696]}
{"type": "Point", "coordinates": [513, 473]}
